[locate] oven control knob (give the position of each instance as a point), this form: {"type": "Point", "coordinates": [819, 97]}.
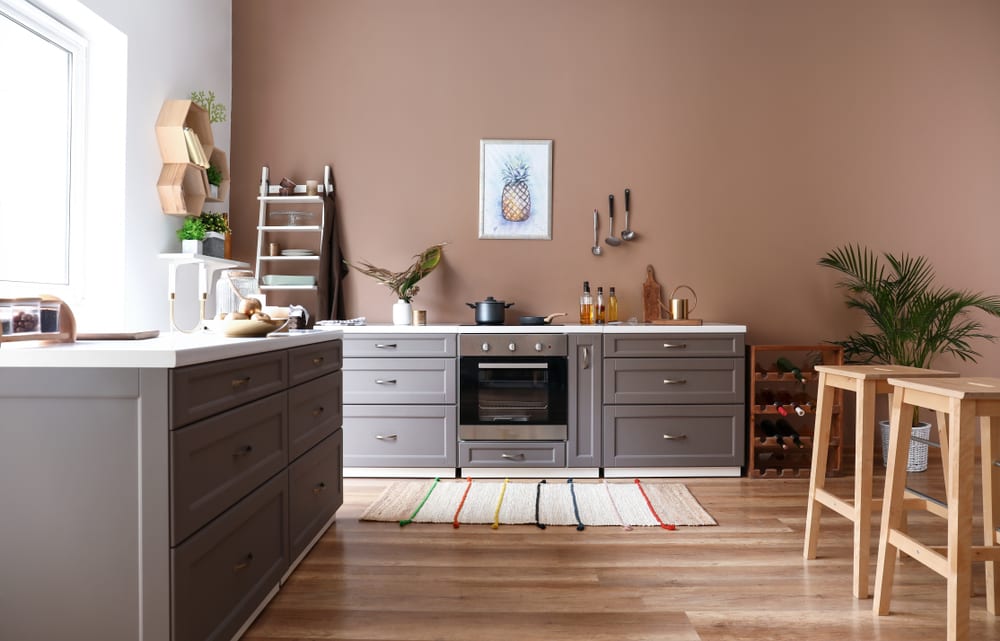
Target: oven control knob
{"type": "Point", "coordinates": [512, 347]}
{"type": "Point", "coordinates": [538, 347]}
{"type": "Point", "coordinates": [486, 347]}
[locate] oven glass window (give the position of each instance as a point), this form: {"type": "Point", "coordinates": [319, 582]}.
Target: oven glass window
{"type": "Point", "coordinates": [514, 392]}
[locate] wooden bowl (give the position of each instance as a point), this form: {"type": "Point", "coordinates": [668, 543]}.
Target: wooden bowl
{"type": "Point", "coordinates": [245, 328]}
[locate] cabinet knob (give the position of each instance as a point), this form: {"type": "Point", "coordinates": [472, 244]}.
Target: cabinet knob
{"type": "Point", "coordinates": [385, 381]}
{"type": "Point", "coordinates": [319, 487]}
{"type": "Point", "coordinates": [514, 457]}
{"type": "Point", "coordinates": [387, 437]}
{"type": "Point", "coordinates": [671, 437]}
{"type": "Point", "coordinates": [539, 347]}
{"type": "Point", "coordinates": [318, 361]}
{"type": "Point", "coordinates": [674, 381]}
{"type": "Point", "coordinates": [240, 382]}
{"type": "Point", "coordinates": [318, 411]}
{"type": "Point", "coordinates": [243, 563]}
{"type": "Point", "coordinates": [385, 345]}
{"type": "Point", "coordinates": [486, 347]}
{"type": "Point", "coordinates": [242, 451]}
{"type": "Point", "coordinates": [674, 345]}
{"type": "Point", "coordinates": [512, 347]}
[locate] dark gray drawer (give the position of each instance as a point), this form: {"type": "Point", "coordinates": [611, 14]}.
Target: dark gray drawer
{"type": "Point", "coordinates": [314, 412]}
{"type": "Point", "coordinates": [402, 435]}
{"type": "Point", "coordinates": [399, 380]}
{"type": "Point", "coordinates": [217, 461]}
{"type": "Point", "coordinates": [311, 361]}
{"type": "Point", "coordinates": [201, 390]}
{"type": "Point", "coordinates": [315, 491]}
{"type": "Point", "coordinates": [395, 345]}
{"type": "Point", "coordinates": [221, 574]}
{"type": "Point", "coordinates": [673, 345]}
{"type": "Point", "coordinates": [526, 454]}
{"type": "Point", "coordinates": [673, 380]}
{"type": "Point", "coordinates": [673, 435]}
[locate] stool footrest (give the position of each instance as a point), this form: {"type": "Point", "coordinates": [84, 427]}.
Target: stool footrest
{"type": "Point", "coordinates": [924, 554]}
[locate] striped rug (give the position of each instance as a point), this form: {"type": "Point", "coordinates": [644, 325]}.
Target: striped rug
{"type": "Point", "coordinates": [599, 502]}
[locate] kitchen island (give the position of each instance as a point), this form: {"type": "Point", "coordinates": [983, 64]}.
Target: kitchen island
{"type": "Point", "coordinates": [161, 490]}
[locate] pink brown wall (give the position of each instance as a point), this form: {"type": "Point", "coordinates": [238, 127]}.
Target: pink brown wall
{"type": "Point", "coordinates": [755, 136]}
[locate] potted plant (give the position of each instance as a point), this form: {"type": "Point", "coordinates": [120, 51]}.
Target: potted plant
{"type": "Point", "coordinates": [214, 180]}
{"type": "Point", "coordinates": [191, 235]}
{"type": "Point", "coordinates": [913, 320]}
{"type": "Point", "coordinates": [216, 227]}
{"type": "Point", "coordinates": [404, 284]}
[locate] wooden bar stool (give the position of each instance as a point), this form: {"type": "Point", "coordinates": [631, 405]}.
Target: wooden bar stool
{"type": "Point", "coordinates": [963, 400]}
{"type": "Point", "coordinates": [865, 381]}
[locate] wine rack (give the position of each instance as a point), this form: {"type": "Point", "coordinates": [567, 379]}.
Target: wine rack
{"type": "Point", "coordinates": [782, 399]}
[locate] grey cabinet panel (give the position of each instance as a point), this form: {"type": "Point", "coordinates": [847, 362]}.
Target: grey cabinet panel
{"type": "Point", "coordinates": [673, 380]}
{"type": "Point", "coordinates": [673, 345]}
{"type": "Point", "coordinates": [315, 491]}
{"type": "Point", "coordinates": [400, 436]}
{"type": "Point", "coordinates": [511, 454]}
{"type": "Point", "coordinates": [399, 380]}
{"type": "Point", "coordinates": [209, 388]}
{"type": "Point", "coordinates": [397, 345]}
{"type": "Point", "coordinates": [583, 448]}
{"type": "Point", "coordinates": [314, 412]}
{"type": "Point", "coordinates": [219, 460]}
{"type": "Point", "coordinates": [673, 435]}
{"type": "Point", "coordinates": [224, 571]}
{"type": "Point", "coordinates": [312, 361]}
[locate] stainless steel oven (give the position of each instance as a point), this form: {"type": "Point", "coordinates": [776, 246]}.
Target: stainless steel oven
{"type": "Point", "coordinates": [512, 387]}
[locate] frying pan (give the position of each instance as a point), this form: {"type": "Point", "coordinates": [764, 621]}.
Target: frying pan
{"type": "Point", "coordinates": [539, 320]}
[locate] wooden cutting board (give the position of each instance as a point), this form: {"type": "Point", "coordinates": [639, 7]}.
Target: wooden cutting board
{"type": "Point", "coordinates": [652, 293]}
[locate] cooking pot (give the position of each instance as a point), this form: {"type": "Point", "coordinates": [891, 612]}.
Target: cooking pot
{"type": "Point", "coordinates": [490, 311]}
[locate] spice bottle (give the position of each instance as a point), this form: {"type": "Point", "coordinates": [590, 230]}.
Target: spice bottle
{"type": "Point", "coordinates": [612, 315]}
{"type": "Point", "coordinates": [586, 305]}
{"type": "Point", "coordinates": [599, 306]}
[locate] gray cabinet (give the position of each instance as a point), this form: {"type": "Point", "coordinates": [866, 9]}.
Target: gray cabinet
{"type": "Point", "coordinates": [400, 393]}
{"type": "Point", "coordinates": [674, 400]}
{"type": "Point", "coordinates": [583, 447]}
{"type": "Point", "coordinates": [511, 454]}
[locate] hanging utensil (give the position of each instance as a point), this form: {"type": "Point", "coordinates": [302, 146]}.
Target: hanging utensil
{"type": "Point", "coordinates": [611, 239]}
{"type": "Point", "coordinates": [627, 233]}
{"type": "Point", "coordinates": [596, 249]}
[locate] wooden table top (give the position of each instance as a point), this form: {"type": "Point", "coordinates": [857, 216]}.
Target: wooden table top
{"type": "Point", "coordinates": [882, 372]}
{"type": "Point", "coordinates": [973, 387]}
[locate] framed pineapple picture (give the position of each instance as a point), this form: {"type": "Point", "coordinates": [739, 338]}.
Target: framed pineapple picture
{"type": "Point", "coordinates": [515, 189]}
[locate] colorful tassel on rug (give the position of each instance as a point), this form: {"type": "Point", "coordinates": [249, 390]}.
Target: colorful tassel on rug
{"type": "Point", "coordinates": [538, 500]}
{"type": "Point", "coordinates": [461, 504]}
{"type": "Point", "coordinates": [576, 508]}
{"type": "Point", "coordinates": [496, 514]}
{"type": "Point", "coordinates": [665, 526]}
{"type": "Point", "coordinates": [421, 504]}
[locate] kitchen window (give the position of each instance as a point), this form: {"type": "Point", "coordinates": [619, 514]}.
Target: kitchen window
{"type": "Point", "coordinates": [41, 168]}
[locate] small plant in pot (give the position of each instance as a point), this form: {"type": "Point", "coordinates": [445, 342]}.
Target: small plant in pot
{"type": "Point", "coordinates": [191, 234]}
{"type": "Point", "coordinates": [214, 180]}
{"type": "Point", "coordinates": [216, 227]}
{"type": "Point", "coordinates": [404, 284]}
{"type": "Point", "coordinates": [913, 320]}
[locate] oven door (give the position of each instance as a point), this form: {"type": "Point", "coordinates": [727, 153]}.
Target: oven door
{"type": "Point", "coordinates": [512, 399]}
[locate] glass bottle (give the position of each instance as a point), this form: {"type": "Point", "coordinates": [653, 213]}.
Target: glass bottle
{"type": "Point", "coordinates": [612, 306]}
{"type": "Point", "coordinates": [599, 306]}
{"type": "Point", "coordinates": [586, 305]}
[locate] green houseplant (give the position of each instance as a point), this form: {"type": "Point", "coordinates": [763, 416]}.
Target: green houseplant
{"type": "Point", "coordinates": [216, 227]}
{"type": "Point", "coordinates": [404, 284]}
{"type": "Point", "coordinates": [191, 234]}
{"type": "Point", "coordinates": [912, 320]}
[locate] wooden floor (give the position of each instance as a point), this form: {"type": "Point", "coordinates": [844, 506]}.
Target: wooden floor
{"type": "Point", "coordinates": [744, 579]}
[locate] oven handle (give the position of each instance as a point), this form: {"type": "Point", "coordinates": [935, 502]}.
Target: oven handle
{"type": "Point", "coordinates": [513, 365]}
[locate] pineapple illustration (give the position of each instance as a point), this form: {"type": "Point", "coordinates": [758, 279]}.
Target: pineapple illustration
{"type": "Point", "coordinates": [515, 200]}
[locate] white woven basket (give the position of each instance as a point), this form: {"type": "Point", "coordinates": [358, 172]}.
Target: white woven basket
{"type": "Point", "coordinates": [916, 460]}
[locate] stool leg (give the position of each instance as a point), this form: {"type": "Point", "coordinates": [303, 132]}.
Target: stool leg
{"type": "Point", "coordinates": [942, 427]}
{"type": "Point", "coordinates": [817, 476]}
{"type": "Point", "coordinates": [961, 454]}
{"type": "Point", "coordinates": [990, 448]}
{"type": "Point", "coordinates": [892, 502]}
{"type": "Point", "coordinates": [864, 449]}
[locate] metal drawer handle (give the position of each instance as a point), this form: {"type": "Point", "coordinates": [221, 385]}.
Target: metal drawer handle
{"type": "Point", "coordinates": [240, 382]}
{"type": "Point", "coordinates": [675, 345]}
{"type": "Point", "coordinates": [586, 358]}
{"type": "Point", "coordinates": [319, 410]}
{"type": "Point", "coordinates": [319, 487]}
{"type": "Point", "coordinates": [671, 437]}
{"type": "Point", "coordinates": [387, 437]}
{"type": "Point", "coordinates": [242, 565]}
{"type": "Point", "coordinates": [318, 360]}
{"type": "Point", "coordinates": [385, 381]}
{"type": "Point", "coordinates": [517, 457]}
{"type": "Point", "coordinates": [674, 381]}
{"type": "Point", "coordinates": [385, 346]}
{"type": "Point", "coordinates": [242, 451]}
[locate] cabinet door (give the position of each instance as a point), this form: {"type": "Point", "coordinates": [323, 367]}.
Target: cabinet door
{"type": "Point", "coordinates": [400, 435]}
{"type": "Point", "coordinates": [397, 345]}
{"type": "Point", "coordinates": [201, 390]}
{"type": "Point", "coordinates": [314, 412]}
{"type": "Point", "coordinates": [312, 361]}
{"type": "Point", "coordinates": [673, 435]}
{"type": "Point", "coordinates": [673, 345]}
{"type": "Point", "coordinates": [399, 380]}
{"type": "Point", "coordinates": [511, 454]}
{"type": "Point", "coordinates": [315, 491]}
{"type": "Point", "coordinates": [632, 381]}
{"type": "Point", "coordinates": [583, 448]}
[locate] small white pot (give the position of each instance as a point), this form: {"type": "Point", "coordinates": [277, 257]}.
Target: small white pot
{"type": "Point", "coordinates": [402, 313]}
{"type": "Point", "coordinates": [191, 246]}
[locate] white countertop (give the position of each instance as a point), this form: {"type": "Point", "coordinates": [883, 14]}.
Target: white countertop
{"type": "Point", "coordinates": [170, 349]}
{"type": "Point", "coordinates": [707, 328]}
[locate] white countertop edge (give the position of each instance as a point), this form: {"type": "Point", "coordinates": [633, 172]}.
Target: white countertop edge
{"type": "Point", "coordinates": [707, 328]}
{"type": "Point", "coordinates": [171, 349]}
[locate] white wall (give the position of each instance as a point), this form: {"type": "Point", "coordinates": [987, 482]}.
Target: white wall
{"type": "Point", "coordinates": [174, 47]}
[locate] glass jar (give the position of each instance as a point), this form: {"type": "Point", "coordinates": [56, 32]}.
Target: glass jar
{"type": "Point", "coordinates": [25, 317]}
{"type": "Point", "coordinates": [233, 286]}
{"type": "Point", "coordinates": [49, 316]}
{"type": "Point", "coordinates": [6, 313]}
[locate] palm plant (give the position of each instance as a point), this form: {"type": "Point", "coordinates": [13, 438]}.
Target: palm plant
{"type": "Point", "coordinates": [914, 320]}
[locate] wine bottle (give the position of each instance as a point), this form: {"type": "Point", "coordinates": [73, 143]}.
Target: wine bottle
{"type": "Point", "coordinates": [784, 428]}
{"type": "Point", "coordinates": [764, 398]}
{"type": "Point", "coordinates": [801, 411]}
{"type": "Point", "coordinates": [612, 306]}
{"type": "Point", "coordinates": [586, 305]}
{"type": "Point", "coordinates": [768, 429]}
{"type": "Point", "coordinates": [785, 365]}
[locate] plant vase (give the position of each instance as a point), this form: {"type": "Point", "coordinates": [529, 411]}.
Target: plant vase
{"type": "Point", "coordinates": [916, 460]}
{"type": "Point", "coordinates": [402, 313]}
{"type": "Point", "coordinates": [213, 191]}
{"type": "Point", "coordinates": [214, 244]}
{"type": "Point", "coordinates": [191, 246]}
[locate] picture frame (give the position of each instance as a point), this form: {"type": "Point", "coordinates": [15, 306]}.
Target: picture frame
{"type": "Point", "coordinates": [515, 189]}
